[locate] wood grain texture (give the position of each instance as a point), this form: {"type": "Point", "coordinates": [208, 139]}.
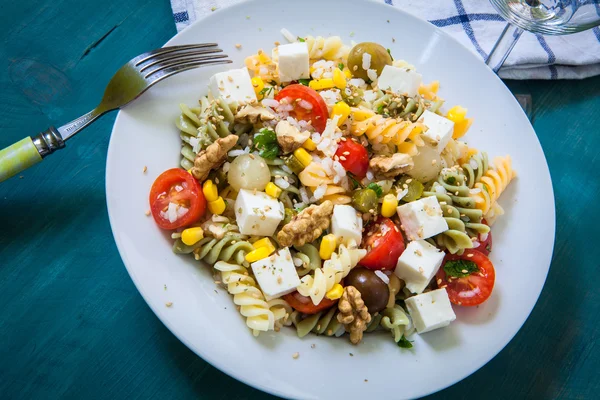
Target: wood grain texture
{"type": "Point", "coordinates": [73, 326]}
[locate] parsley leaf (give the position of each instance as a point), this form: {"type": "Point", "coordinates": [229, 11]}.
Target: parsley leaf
{"type": "Point", "coordinates": [341, 66]}
{"type": "Point", "coordinates": [303, 81]}
{"type": "Point", "coordinates": [390, 53]}
{"type": "Point", "coordinates": [355, 182]}
{"type": "Point", "coordinates": [376, 188]}
{"type": "Point", "coordinates": [265, 141]}
{"type": "Point", "coordinates": [380, 109]}
{"type": "Point", "coordinates": [301, 39]}
{"type": "Point", "coordinates": [264, 92]}
{"type": "Point", "coordinates": [405, 343]}
{"type": "Point", "coordinates": [451, 180]}
{"type": "Point", "coordinates": [460, 268]}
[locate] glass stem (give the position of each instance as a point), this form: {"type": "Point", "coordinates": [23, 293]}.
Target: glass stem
{"type": "Point", "coordinates": [507, 40]}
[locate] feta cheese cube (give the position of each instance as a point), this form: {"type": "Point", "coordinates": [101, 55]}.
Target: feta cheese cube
{"type": "Point", "coordinates": [418, 263]}
{"type": "Point", "coordinates": [369, 95]}
{"type": "Point", "coordinates": [431, 310]}
{"type": "Point", "coordinates": [233, 86]}
{"type": "Point", "coordinates": [276, 275]}
{"type": "Point", "coordinates": [257, 213]}
{"type": "Point", "coordinates": [400, 80]}
{"type": "Point", "coordinates": [440, 129]}
{"type": "Point", "coordinates": [293, 61]}
{"type": "Point", "coordinates": [422, 219]}
{"type": "Point", "coordinates": [346, 224]}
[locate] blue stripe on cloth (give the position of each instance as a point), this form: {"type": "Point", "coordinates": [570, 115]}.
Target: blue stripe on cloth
{"type": "Point", "coordinates": [459, 19]}
{"type": "Point", "coordinates": [596, 31]}
{"type": "Point", "coordinates": [468, 28]}
{"type": "Point", "coordinates": [181, 16]}
{"type": "Point", "coordinates": [389, 2]}
{"type": "Point", "coordinates": [551, 56]}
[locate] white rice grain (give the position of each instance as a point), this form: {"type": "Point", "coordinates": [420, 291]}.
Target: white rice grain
{"type": "Point", "coordinates": [320, 191]}
{"type": "Point", "coordinates": [270, 103]}
{"type": "Point", "coordinates": [305, 104]}
{"type": "Point", "coordinates": [372, 74]}
{"type": "Point", "coordinates": [402, 193]}
{"type": "Point", "coordinates": [366, 61]}
{"type": "Point", "coordinates": [282, 183]}
{"type": "Point", "coordinates": [172, 212]}
{"type": "Point", "coordinates": [303, 195]}
{"type": "Point", "coordinates": [288, 35]}
{"type": "Point", "coordinates": [297, 262]}
{"type": "Point", "coordinates": [382, 276]}
{"type": "Point", "coordinates": [235, 153]}
{"type": "Point", "coordinates": [370, 175]}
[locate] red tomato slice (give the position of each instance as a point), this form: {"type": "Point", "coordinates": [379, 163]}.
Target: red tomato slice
{"type": "Point", "coordinates": [485, 245]}
{"type": "Point", "coordinates": [318, 113]}
{"type": "Point", "coordinates": [354, 157]}
{"type": "Point", "coordinates": [179, 187]}
{"type": "Point", "coordinates": [473, 289]}
{"type": "Point", "coordinates": [305, 305]}
{"type": "Point", "coordinates": [384, 244]}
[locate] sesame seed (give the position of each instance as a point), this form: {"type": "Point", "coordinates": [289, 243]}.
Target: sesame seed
{"type": "Point", "coordinates": [276, 43]}
{"type": "Point", "coordinates": [169, 304]}
{"type": "Point", "coordinates": [295, 355]}
{"type": "Point", "coordinates": [470, 255]}
{"type": "Point", "coordinates": [143, 169]}
{"type": "Point", "coordinates": [464, 271]}
{"type": "Point", "coordinates": [238, 46]}
{"type": "Point", "coordinates": [147, 213]}
{"type": "Point", "coordinates": [433, 162]}
{"type": "Point", "coordinates": [312, 346]}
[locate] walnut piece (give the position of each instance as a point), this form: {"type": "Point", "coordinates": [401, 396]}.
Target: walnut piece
{"type": "Point", "coordinates": [306, 226]}
{"type": "Point", "coordinates": [213, 156]}
{"type": "Point", "coordinates": [389, 167]}
{"type": "Point", "coordinates": [289, 137]}
{"type": "Point", "coordinates": [253, 114]}
{"type": "Point", "coordinates": [353, 313]}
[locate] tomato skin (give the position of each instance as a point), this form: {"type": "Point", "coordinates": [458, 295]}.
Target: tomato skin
{"type": "Point", "coordinates": [473, 289]}
{"type": "Point", "coordinates": [305, 305]}
{"type": "Point", "coordinates": [357, 162]}
{"type": "Point", "coordinates": [163, 192]}
{"type": "Point", "coordinates": [317, 115]}
{"type": "Point", "coordinates": [382, 251]}
{"type": "Point", "coordinates": [485, 246]}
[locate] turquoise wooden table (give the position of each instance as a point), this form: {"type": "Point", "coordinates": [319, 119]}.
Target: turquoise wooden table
{"type": "Point", "coordinates": [72, 325]}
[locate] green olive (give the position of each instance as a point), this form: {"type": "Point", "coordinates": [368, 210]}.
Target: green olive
{"type": "Point", "coordinates": [365, 200]}
{"type": "Point", "coordinates": [353, 96]}
{"type": "Point", "coordinates": [379, 59]}
{"type": "Point", "coordinates": [374, 292]}
{"type": "Point", "coordinates": [414, 187]}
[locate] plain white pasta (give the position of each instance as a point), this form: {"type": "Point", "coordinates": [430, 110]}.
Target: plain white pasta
{"type": "Point", "coordinates": [261, 315]}
{"type": "Point", "coordinates": [333, 271]}
{"type": "Point", "coordinates": [331, 48]}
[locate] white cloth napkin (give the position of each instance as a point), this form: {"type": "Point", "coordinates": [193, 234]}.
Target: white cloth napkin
{"type": "Point", "coordinates": [476, 25]}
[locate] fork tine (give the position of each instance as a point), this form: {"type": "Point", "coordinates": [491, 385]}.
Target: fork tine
{"type": "Point", "coordinates": [158, 75]}
{"type": "Point", "coordinates": [184, 62]}
{"type": "Point", "coordinates": [180, 56]}
{"type": "Point", "coordinates": [165, 50]}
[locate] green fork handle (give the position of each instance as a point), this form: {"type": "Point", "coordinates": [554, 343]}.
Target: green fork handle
{"type": "Point", "coordinates": [27, 152]}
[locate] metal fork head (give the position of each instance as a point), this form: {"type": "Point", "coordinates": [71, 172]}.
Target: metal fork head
{"type": "Point", "coordinates": [149, 68]}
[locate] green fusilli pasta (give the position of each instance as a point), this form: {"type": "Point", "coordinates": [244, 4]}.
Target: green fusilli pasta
{"type": "Point", "coordinates": [399, 106]}
{"type": "Point", "coordinates": [475, 168]}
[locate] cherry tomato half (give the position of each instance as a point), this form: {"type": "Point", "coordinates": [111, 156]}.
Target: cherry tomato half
{"type": "Point", "coordinates": [471, 290]}
{"type": "Point", "coordinates": [485, 245]}
{"type": "Point", "coordinates": [317, 114]}
{"type": "Point", "coordinates": [354, 157]}
{"type": "Point", "coordinates": [305, 305]}
{"type": "Point", "coordinates": [179, 187]}
{"type": "Point", "coordinates": [384, 244]}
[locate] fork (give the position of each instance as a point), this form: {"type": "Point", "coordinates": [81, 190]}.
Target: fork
{"type": "Point", "coordinates": [126, 85]}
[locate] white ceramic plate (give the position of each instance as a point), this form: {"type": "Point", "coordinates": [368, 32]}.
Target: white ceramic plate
{"type": "Point", "coordinates": [204, 317]}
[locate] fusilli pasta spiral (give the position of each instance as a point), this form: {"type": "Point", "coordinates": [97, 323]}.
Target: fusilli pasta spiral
{"type": "Point", "coordinates": [314, 176]}
{"type": "Point", "coordinates": [405, 135]}
{"type": "Point", "coordinates": [400, 106]}
{"type": "Point", "coordinates": [475, 167]}
{"type": "Point", "coordinates": [231, 248]}
{"type": "Point", "coordinates": [328, 48]}
{"type": "Point", "coordinates": [492, 184]}
{"type": "Point", "coordinates": [393, 319]}
{"type": "Point", "coordinates": [333, 271]}
{"type": "Point", "coordinates": [309, 256]}
{"type": "Point", "coordinates": [322, 323]}
{"type": "Point", "coordinates": [261, 315]}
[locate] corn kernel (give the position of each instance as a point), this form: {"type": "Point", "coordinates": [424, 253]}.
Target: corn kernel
{"type": "Point", "coordinates": [191, 236]}
{"type": "Point", "coordinates": [460, 128]}
{"type": "Point", "coordinates": [303, 156]}
{"type": "Point", "coordinates": [217, 207]}
{"type": "Point", "coordinates": [309, 145]}
{"type": "Point", "coordinates": [347, 73]}
{"type": "Point", "coordinates": [342, 109]}
{"type": "Point", "coordinates": [258, 254]}
{"type": "Point", "coordinates": [388, 207]}
{"type": "Point", "coordinates": [361, 114]}
{"type": "Point", "coordinates": [210, 190]}
{"type": "Point", "coordinates": [456, 114]}
{"type": "Point", "coordinates": [266, 243]}
{"type": "Point", "coordinates": [328, 245]}
{"type": "Point", "coordinates": [320, 84]}
{"type": "Point", "coordinates": [339, 79]}
{"type": "Point", "coordinates": [263, 57]}
{"type": "Point", "coordinates": [257, 84]}
{"type": "Point", "coordinates": [335, 292]}
{"type": "Point", "coordinates": [273, 190]}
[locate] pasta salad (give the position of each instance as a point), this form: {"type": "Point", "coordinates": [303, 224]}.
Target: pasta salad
{"type": "Point", "coordinates": [327, 187]}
